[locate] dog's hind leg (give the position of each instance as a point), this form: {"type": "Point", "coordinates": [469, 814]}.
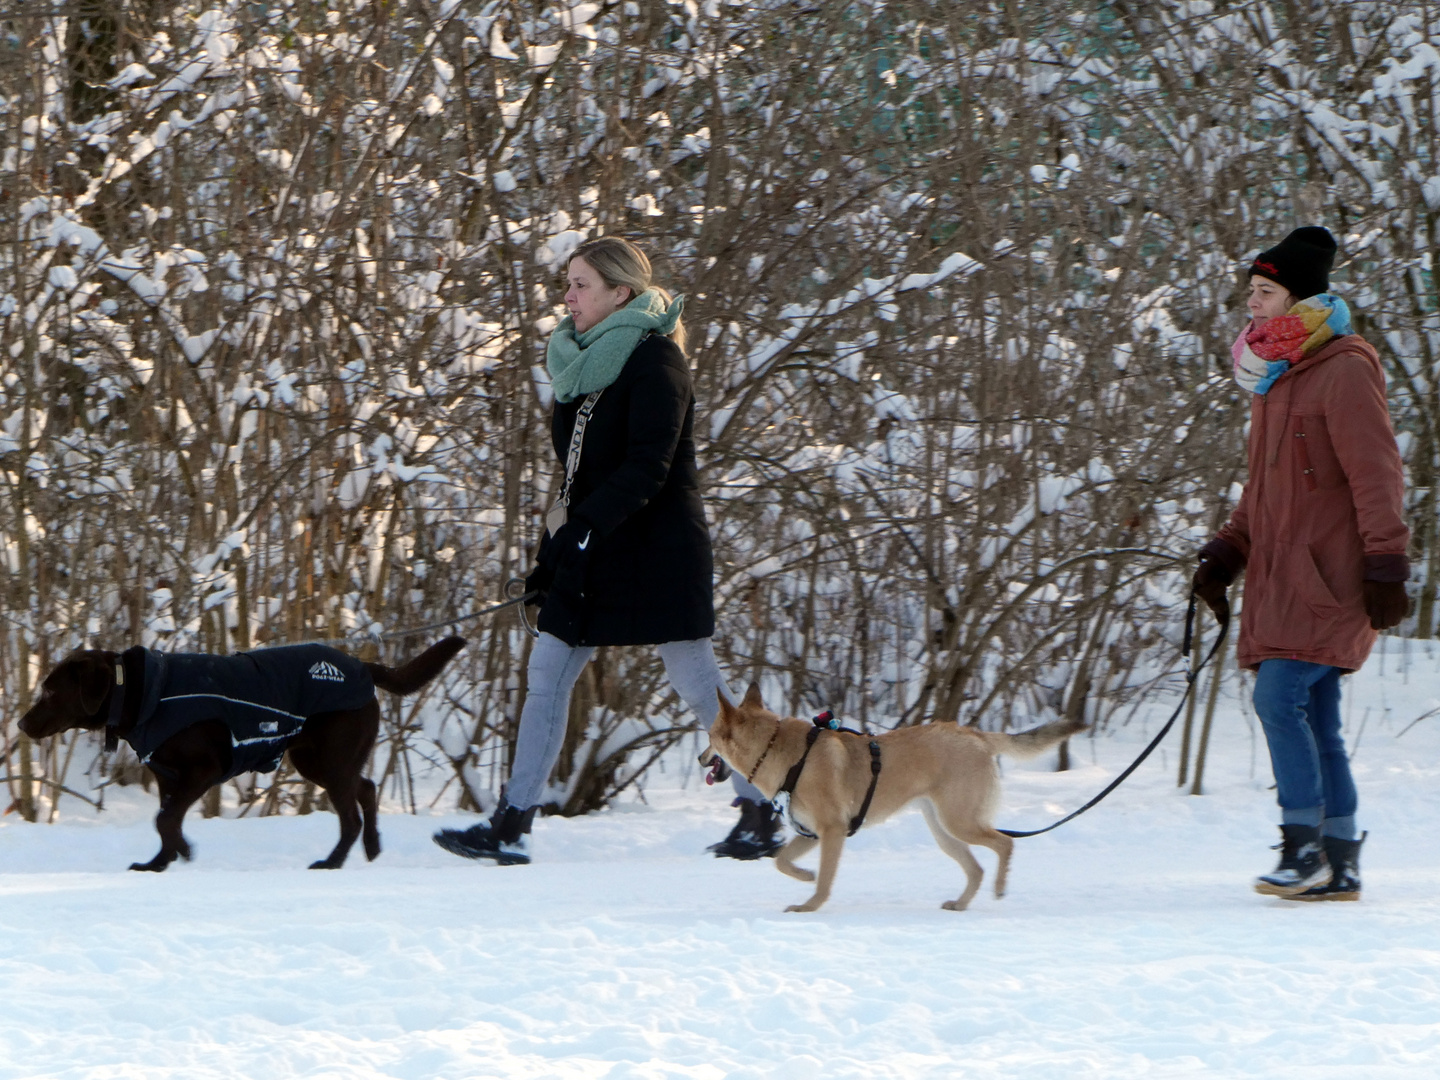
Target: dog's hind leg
{"type": "Point", "coordinates": [1003, 846]}
{"type": "Point", "coordinates": [347, 809]}
{"type": "Point", "coordinates": [958, 851]}
{"type": "Point", "coordinates": [370, 807]}
{"type": "Point", "coordinates": [342, 792]}
{"type": "Point", "coordinates": [331, 751]}
{"type": "Point", "coordinates": [832, 843]}
{"type": "Point", "coordinates": [796, 848]}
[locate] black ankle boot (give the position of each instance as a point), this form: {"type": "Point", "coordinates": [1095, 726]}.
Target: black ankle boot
{"type": "Point", "coordinates": [755, 835]}
{"type": "Point", "coordinates": [502, 838]}
{"type": "Point", "coordinates": [1302, 863]}
{"type": "Point", "coordinates": [1344, 859]}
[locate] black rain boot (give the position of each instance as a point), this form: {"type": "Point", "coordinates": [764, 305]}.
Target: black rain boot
{"type": "Point", "coordinates": [502, 838]}
{"type": "Point", "coordinates": [1344, 859]}
{"type": "Point", "coordinates": [755, 835]}
{"type": "Point", "coordinates": [1302, 862]}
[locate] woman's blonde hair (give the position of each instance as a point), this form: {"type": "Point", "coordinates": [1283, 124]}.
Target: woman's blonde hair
{"type": "Point", "coordinates": [619, 262]}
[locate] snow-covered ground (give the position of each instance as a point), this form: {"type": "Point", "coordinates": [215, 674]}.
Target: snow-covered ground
{"type": "Point", "coordinates": [1130, 944]}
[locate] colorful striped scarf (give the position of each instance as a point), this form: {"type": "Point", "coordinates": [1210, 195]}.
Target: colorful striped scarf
{"type": "Point", "coordinates": [1264, 353]}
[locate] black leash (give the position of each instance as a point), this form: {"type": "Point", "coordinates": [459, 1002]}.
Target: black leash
{"type": "Point", "coordinates": [1190, 677]}
{"type": "Point", "coordinates": [400, 635]}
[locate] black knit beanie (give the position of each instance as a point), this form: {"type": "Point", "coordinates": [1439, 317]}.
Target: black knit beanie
{"type": "Point", "coordinates": [1301, 262]}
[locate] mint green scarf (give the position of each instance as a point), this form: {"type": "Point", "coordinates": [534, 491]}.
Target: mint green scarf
{"type": "Point", "coordinates": [581, 364]}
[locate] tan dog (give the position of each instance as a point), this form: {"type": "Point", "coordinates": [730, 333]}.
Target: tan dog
{"type": "Point", "coordinates": [948, 769]}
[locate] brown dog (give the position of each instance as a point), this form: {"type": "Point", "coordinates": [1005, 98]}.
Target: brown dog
{"type": "Point", "coordinates": [948, 769]}
{"type": "Point", "coordinates": [197, 719]}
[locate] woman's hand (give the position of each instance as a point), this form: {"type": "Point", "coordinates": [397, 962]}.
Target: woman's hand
{"type": "Point", "coordinates": [564, 561]}
{"type": "Point", "coordinates": [1220, 561]}
{"type": "Point", "coordinates": [1210, 583]}
{"type": "Point", "coordinates": [562, 566]}
{"type": "Point", "coordinates": [568, 545]}
{"type": "Point", "coordinates": [539, 581]}
{"type": "Point", "coordinates": [1386, 603]}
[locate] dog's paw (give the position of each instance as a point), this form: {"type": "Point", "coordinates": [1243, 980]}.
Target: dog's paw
{"type": "Point", "coordinates": [802, 907]}
{"type": "Point", "coordinates": [953, 905]}
{"type": "Point", "coordinates": [325, 864]}
{"type": "Point", "coordinates": [154, 866]}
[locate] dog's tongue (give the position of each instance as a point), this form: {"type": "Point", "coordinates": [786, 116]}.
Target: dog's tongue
{"type": "Point", "coordinates": [713, 771]}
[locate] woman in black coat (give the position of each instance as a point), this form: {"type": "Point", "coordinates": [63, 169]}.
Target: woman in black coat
{"type": "Point", "coordinates": [647, 569]}
{"type": "Point", "coordinates": [626, 558]}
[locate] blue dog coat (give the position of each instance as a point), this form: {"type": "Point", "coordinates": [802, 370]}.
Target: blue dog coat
{"type": "Point", "coordinates": [263, 697]}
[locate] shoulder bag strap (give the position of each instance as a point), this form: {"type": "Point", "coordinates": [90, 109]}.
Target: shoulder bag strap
{"type": "Point", "coordinates": [558, 512]}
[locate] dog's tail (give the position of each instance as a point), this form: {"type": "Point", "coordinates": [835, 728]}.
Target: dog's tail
{"type": "Point", "coordinates": [417, 671]}
{"type": "Point", "coordinates": [1028, 744]}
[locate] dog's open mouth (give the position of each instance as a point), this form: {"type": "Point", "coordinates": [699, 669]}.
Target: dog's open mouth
{"type": "Point", "coordinates": [718, 770]}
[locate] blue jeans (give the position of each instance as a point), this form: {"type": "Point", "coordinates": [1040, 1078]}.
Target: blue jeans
{"type": "Point", "coordinates": [1299, 705]}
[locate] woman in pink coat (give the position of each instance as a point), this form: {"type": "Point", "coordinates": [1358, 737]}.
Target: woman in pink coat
{"type": "Point", "coordinates": [1321, 533]}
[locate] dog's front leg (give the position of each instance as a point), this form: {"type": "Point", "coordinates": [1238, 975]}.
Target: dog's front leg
{"type": "Point", "coordinates": [798, 847]}
{"type": "Point", "coordinates": [177, 795]}
{"type": "Point", "coordinates": [186, 766]}
{"type": "Point", "coordinates": [832, 842]}
{"type": "Point", "coordinates": [172, 839]}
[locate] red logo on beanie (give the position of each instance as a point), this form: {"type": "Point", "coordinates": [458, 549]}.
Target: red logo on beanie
{"type": "Point", "coordinates": [1269, 268]}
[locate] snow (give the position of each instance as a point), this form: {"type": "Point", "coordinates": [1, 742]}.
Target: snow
{"type": "Point", "coordinates": [1130, 944]}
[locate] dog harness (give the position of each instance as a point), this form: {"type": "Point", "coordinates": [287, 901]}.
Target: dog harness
{"type": "Point", "coordinates": [826, 722]}
{"type": "Point", "coordinates": [263, 697]}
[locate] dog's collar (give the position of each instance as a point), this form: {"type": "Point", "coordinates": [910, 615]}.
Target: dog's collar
{"type": "Point", "coordinates": [117, 703]}
{"type": "Point", "coordinates": [764, 754]}
{"type": "Point", "coordinates": [129, 691]}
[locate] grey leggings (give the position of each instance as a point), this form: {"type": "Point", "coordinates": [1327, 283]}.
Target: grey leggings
{"type": "Point", "coordinates": [554, 667]}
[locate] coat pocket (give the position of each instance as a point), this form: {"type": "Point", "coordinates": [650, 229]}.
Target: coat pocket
{"type": "Point", "coordinates": [1292, 608]}
{"type": "Point", "coordinates": [1315, 454]}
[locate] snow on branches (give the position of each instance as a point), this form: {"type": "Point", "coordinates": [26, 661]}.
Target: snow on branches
{"type": "Point", "coordinates": [275, 285]}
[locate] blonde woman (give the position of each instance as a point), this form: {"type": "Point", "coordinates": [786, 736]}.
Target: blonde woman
{"type": "Point", "coordinates": [631, 564]}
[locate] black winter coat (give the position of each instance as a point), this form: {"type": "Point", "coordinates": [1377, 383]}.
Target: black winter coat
{"type": "Point", "coordinates": [651, 572]}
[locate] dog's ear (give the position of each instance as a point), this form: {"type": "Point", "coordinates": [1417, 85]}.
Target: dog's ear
{"type": "Point", "coordinates": [726, 709]}
{"type": "Point", "coordinates": [752, 697]}
{"type": "Point", "coordinates": [94, 677]}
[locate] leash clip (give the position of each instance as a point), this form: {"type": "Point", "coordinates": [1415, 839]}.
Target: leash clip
{"type": "Point", "coordinates": [515, 593]}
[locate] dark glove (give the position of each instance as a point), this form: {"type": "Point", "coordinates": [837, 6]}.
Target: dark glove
{"type": "Point", "coordinates": [539, 581]}
{"type": "Point", "coordinates": [1211, 580]}
{"type": "Point", "coordinates": [565, 557]}
{"type": "Point", "coordinates": [572, 560]}
{"type": "Point", "coordinates": [1386, 603]}
{"type": "Point", "coordinates": [564, 545]}
{"type": "Point", "coordinates": [1220, 561]}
